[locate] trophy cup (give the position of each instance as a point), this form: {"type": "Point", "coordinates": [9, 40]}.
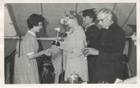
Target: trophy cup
{"type": "Point", "coordinates": [56, 42]}
{"type": "Point", "coordinates": [73, 78]}
{"type": "Point", "coordinates": [62, 21]}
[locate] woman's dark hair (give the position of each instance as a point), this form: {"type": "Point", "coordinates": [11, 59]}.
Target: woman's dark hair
{"type": "Point", "coordinates": [49, 66]}
{"type": "Point", "coordinates": [33, 20]}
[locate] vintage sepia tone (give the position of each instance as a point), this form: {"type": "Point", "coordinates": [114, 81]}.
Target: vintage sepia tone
{"type": "Point", "coordinates": [50, 46]}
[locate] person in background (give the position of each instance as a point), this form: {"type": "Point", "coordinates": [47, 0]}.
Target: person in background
{"type": "Point", "coordinates": [26, 68]}
{"type": "Point", "coordinates": [92, 37]}
{"type": "Point", "coordinates": [47, 76]}
{"type": "Point", "coordinates": [72, 47]}
{"type": "Point", "coordinates": [111, 46]}
{"type": "Point", "coordinates": [132, 51]}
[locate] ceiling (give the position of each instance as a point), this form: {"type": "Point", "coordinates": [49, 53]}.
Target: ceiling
{"type": "Point", "coordinates": [125, 12]}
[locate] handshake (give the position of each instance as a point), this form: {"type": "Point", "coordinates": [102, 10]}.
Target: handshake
{"type": "Point", "coordinates": [48, 52]}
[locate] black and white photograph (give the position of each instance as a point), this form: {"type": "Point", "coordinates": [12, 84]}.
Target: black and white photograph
{"type": "Point", "coordinates": [70, 43]}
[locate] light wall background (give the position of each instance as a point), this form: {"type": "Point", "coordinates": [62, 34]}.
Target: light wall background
{"type": "Point", "coordinates": [54, 11]}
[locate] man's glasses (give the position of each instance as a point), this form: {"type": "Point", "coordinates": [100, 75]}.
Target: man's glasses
{"type": "Point", "coordinates": [102, 20]}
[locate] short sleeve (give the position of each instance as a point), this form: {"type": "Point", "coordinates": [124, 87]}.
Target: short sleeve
{"type": "Point", "coordinates": [28, 46]}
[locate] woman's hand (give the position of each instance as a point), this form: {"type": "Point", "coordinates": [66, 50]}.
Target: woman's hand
{"type": "Point", "coordinates": [48, 52]}
{"type": "Point", "coordinates": [91, 51]}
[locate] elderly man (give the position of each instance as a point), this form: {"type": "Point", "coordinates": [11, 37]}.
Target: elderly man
{"type": "Point", "coordinates": [111, 46]}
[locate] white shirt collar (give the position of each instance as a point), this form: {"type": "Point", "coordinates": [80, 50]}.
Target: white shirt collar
{"type": "Point", "coordinates": [89, 26]}
{"type": "Point", "coordinates": [31, 33]}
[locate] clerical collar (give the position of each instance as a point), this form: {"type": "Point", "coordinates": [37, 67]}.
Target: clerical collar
{"type": "Point", "coordinates": [31, 33]}
{"type": "Point", "coordinates": [110, 25]}
{"type": "Point", "coordinates": [106, 27]}
{"type": "Point", "coordinates": [89, 26]}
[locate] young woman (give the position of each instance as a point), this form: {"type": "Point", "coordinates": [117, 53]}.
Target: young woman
{"type": "Point", "coordinates": [26, 69]}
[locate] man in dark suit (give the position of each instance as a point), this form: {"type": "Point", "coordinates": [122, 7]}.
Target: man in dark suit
{"type": "Point", "coordinates": [110, 50]}
{"type": "Point", "coordinates": [92, 37]}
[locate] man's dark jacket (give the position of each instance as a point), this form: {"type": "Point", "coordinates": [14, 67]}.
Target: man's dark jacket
{"type": "Point", "coordinates": [109, 62]}
{"type": "Point", "coordinates": [92, 36]}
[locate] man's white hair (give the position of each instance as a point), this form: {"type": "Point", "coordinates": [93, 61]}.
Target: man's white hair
{"type": "Point", "coordinates": [106, 12]}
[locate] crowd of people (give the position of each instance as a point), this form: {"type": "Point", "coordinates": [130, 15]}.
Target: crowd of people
{"type": "Point", "coordinates": [91, 52]}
